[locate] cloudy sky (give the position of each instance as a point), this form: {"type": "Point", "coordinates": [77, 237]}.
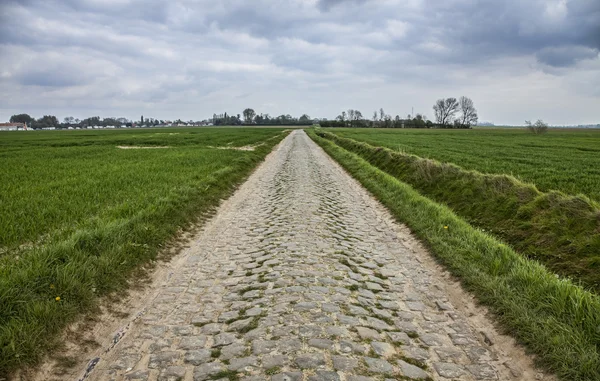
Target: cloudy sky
{"type": "Point", "coordinates": [517, 59]}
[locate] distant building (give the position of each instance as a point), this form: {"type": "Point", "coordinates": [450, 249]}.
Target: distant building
{"type": "Point", "coordinates": [12, 126]}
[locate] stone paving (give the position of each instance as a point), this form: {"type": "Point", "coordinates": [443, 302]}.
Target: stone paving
{"type": "Point", "coordinates": [302, 277]}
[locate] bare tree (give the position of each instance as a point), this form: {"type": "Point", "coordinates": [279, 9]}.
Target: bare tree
{"type": "Point", "coordinates": [357, 116]}
{"type": "Point", "coordinates": [351, 117]}
{"type": "Point", "coordinates": [249, 115]}
{"type": "Point", "coordinates": [381, 114]}
{"type": "Point", "coordinates": [468, 112]}
{"type": "Point", "coordinates": [539, 127]}
{"type": "Point", "coordinates": [445, 109]}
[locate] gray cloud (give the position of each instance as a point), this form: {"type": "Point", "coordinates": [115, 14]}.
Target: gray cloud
{"type": "Point", "coordinates": [563, 56]}
{"type": "Point", "coordinates": [296, 56]}
{"type": "Point", "coordinates": [328, 4]}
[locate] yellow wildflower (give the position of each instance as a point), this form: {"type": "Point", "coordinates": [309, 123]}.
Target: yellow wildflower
{"type": "Point", "coordinates": [57, 298]}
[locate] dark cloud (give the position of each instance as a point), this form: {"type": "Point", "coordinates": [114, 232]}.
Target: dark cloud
{"type": "Point", "coordinates": [563, 56]}
{"type": "Point", "coordinates": [51, 78]}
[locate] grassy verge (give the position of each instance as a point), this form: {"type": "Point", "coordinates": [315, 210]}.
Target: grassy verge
{"type": "Point", "coordinates": [552, 317]}
{"type": "Point", "coordinates": [561, 231]}
{"type": "Point", "coordinates": [566, 160]}
{"type": "Point", "coordinates": [127, 204]}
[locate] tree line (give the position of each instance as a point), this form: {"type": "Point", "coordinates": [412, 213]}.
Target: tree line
{"type": "Point", "coordinates": [250, 117]}
{"type": "Point", "coordinates": [49, 121]}
{"type": "Point", "coordinates": [448, 112]}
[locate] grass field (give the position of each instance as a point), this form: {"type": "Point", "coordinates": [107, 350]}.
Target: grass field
{"type": "Point", "coordinates": [563, 160]}
{"type": "Point", "coordinates": [78, 214]}
{"type": "Point", "coordinates": [554, 318]}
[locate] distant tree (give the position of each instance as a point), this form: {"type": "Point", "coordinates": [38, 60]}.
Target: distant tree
{"type": "Point", "coordinates": [358, 116]}
{"type": "Point", "coordinates": [304, 119]}
{"type": "Point", "coordinates": [381, 114]}
{"type": "Point", "coordinates": [46, 121]}
{"type": "Point", "coordinates": [387, 121]}
{"type": "Point", "coordinates": [445, 109]}
{"type": "Point", "coordinates": [249, 115]}
{"type": "Point", "coordinates": [539, 127]}
{"type": "Point", "coordinates": [69, 120]}
{"type": "Point", "coordinates": [418, 121]}
{"type": "Point", "coordinates": [110, 122]}
{"type": "Point", "coordinates": [22, 118]}
{"type": "Point", "coordinates": [468, 116]}
{"type": "Point", "coordinates": [92, 121]}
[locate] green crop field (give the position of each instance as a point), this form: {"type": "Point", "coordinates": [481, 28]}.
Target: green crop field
{"type": "Point", "coordinates": [563, 160]}
{"type": "Point", "coordinates": [81, 210]}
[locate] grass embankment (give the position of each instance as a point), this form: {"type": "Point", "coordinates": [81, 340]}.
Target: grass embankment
{"type": "Point", "coordinates": [78, 216]}
{"type": "Point", "coordinates": [552, 317]}
{"type": "Point", "coordinates": [561, 231]}
{"type": "Point", "coordinates": [566, 160]}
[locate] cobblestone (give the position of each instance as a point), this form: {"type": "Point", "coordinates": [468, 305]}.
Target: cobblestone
{"type": "Point", "coordinates": [301, 276]}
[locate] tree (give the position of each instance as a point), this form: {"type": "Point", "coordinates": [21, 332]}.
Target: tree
{"type": "Point", "coordinates": [468, 112]}
{"type": "Point", "coordinates": [351, 117]}
{"type": "Point", "coordinates": [444, 110]}
{"type": "Point", "coordinates": [249, 115]}
{"type": "Point", "coordinates": [358, 115]}
{"type": "Point", "coordinates": [46, 121]}
{"type": "Point", "coordinates": [69, 120]}
{"type": "Point", "coordinates": [387, 121]}
{"type": "Point", "coordinates": [381, 114]}
{"type": "Point", "coordinates": [304, 119]}
{"type": "Point", "coordinates": [21, 118]}
{"type": "Point", "coordinates": [92, 121]}
{"type": "Point", "coordinates": [418, 121]}
{"type": "Point", "coordinates": [539, 127]}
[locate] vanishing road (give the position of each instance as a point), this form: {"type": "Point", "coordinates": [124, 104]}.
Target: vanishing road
{"type": "Point", "coordinates": [302, 275]}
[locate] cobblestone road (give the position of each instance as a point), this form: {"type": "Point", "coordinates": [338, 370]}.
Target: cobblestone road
{"type": "Point", "coordinates": [302, 276]}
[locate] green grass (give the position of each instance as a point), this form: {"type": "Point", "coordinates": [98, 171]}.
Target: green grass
{"type": "Point", "coordinates": [559, 230]}
{"type": "Point", "coordinates": [78, 216]}
{"type": "Point", "coordinates": [554, 318]}
{"type": "Point", "coordinates": [564, 160]}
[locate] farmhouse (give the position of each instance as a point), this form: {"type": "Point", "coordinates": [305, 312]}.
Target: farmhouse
{"type": "Point", "coordinates": [12, 126]}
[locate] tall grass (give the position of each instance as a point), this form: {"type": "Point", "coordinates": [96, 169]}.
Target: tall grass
{"type": "Point", "coordinates": [80, 215]}
{"type": "Point", "coordinates": [565, 160]}
{"type": "Point", "coordinates": [552, 317]}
